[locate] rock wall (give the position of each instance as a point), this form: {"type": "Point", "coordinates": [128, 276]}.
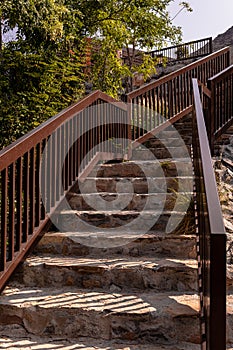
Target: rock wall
{"type": "Point", "coordinates": [223, 40]}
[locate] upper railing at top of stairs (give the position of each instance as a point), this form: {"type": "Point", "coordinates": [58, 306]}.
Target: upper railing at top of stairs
{"type": "Point", "coordinates": [173, 54]}
{"type": "Point", "coordinates": [172, 96]}
{"type": "Point", "coordinates": [38, 170]}
{"type": "Point", "coordinates": [185, 51]}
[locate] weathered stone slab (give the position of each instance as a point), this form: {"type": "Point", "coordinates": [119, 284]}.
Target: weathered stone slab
{"type": "Point", "coordinates": [165, 167]}
{"type": "Point", "coordinates": [140, 185]}
{"type": "Point", "coordinates": [127, 273]}
{"type": "Point", "coordinates": [127, 201]}
{"type": "Point", "coordinates": [15, 337]}
{"type": "Point", "coordinates": [150, 244]}
{"type": "Point", "coordinates": [148, 317]}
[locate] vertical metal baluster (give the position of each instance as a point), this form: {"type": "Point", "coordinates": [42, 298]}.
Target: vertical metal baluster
{"type": "Point", "coordinates": [43, 179]}
{"type": "Point", "coordinates": [11, 224]}
{"type": "Point", "coordinates": [78, 144]}
{"type": "Point", "coordinates": [4, 210]}
{"type": "Point", "coordinates": [75, 160]}
{"type": "Point", "coordinates": [19, 204]}
{"type": "Point", "coordinates": [37, 186]}
{"type": "Point", "coordinates": [59, 165]}
{"type": "Point", "coordinates": [53, 169]}
{"type": "Point", "coordinates": [71, 155]}
{"type": "Point", "coordinates": [32, 191]}
{"type": "Point", "coordinates": [26, 197]}
{"type": "Point", "coordinates": [48, 175]}
{"type": "Point", "coordinates": [67, 170]}
{"type": "Point", "coordinates": [145, 114]}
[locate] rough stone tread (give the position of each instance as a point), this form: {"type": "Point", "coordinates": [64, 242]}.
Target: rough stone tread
{"type": "Point", "coordinates": [16, 338]}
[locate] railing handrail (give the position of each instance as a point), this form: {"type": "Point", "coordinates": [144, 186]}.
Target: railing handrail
{"type": "Point", "coordinates": [178, 72]}
{"type": "Point", "coordinates": [19, 147]}
{"type": "Point", "coordinates": [211, 233]}
{"type": "Point", "coordinates": [214, 208]}
{"type": "Point", "coordinates": [182, 44]}
{"type": "Point", "coordinates": [221, 75]}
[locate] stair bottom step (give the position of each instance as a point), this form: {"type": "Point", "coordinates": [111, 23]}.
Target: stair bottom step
{"type": "Point", "coordinates": [23, 341]}
{"type": "Point", "coordinates": [151, 318]}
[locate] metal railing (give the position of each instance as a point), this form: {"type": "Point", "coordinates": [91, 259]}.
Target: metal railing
{"type": "Point", "coordinates": [211, 234]}
{"type": "Point", "coordinates": [220, 116]}
{"type": "Point", "coordinates": [65, 145]}
{"type": "Point", "coordinates": [73, 141]}
{"type": "Point", "coordinates": [185, 51]}
{"type": "Point", "coordinates": [170, 97]}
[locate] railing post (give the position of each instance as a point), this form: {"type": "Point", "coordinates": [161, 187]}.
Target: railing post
{"type": "Point", "coordinates": [211, 44]}
{"type": "Point", "coordinates": [210, 125]}
{"type": "Point", "coordinates": [217, 336]}
{"type": "Point", "coordinates": [228, 59]}
{"type": "Point", "coordinates": [129, 112]}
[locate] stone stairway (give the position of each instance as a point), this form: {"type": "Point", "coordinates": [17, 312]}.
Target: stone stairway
{"type": "Point", "coordinates": [121, 270]}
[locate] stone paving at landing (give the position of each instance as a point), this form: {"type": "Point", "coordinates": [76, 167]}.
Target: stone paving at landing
{"type": "Point", "coordinates": [23, 341]}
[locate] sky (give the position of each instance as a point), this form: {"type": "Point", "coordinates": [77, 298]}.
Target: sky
{"type": "Point", "coordinates": [209, 18]}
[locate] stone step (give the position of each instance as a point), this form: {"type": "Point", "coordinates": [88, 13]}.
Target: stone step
{"type": "Point", "coordinates": [112, 273]}
{"type": "Point", "coordinates": [170, 132]}
{"type": "Point", "coordinates": [140, 184]}
{"type": "Point", "coordinates": [187, 124]}
{"type": "Point", "coordinates": [180, 141]}
{"type": "Point", "coordinates": [162, 168]}
{"type": "Point", "coordinates": [87, 221]}
{"type": "Point", "coordinates": [160, 153]}
{"type": "Point", "coordinates": [127, 201]}
{"type": "Point", "coordinates": [68, 312]}
{"type": "Point", "coordinates": [134, 244]}
{"type": "Point", "coordinates": [164, 142]}
{"type": "Point", "coordinates": [230, 318]}
{"type": "Point", "coordinates": [15, 337]}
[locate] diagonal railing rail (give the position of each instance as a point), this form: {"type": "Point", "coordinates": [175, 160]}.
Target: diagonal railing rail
{"type": "Point", "coordinates": [70, 142]}
{"type": "Point", "coordinates": [211, 234]}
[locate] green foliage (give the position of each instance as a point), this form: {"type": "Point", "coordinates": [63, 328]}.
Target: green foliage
{"type": "Point", "coordinates": [133, 25]}
{"type": "Point", "coordinates": [41, 23]}
{"type": "Point", "coordinates": [43, 70]}
{"type": "Point", "coordinates": [33, 88]}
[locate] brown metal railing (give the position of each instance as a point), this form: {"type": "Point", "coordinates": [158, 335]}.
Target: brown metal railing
{"type": "Point", "coordinates": [185, 51]}
{"type": "Point", "coordinates": [170, 97]}
{"type": "Point", "coordinates": [211, 234]}
{"type": "Point", "coordinates": [73, 141]}
{"type": "Point", "coordinates": [220, 116]}
{"type": "Point", "coordinates": [30, 169]}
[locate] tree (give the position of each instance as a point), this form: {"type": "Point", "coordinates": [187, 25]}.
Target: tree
{"type": "Point", "coordinates": [134, 25]}
{"type": "Point", "coordinates": [43, 70]}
